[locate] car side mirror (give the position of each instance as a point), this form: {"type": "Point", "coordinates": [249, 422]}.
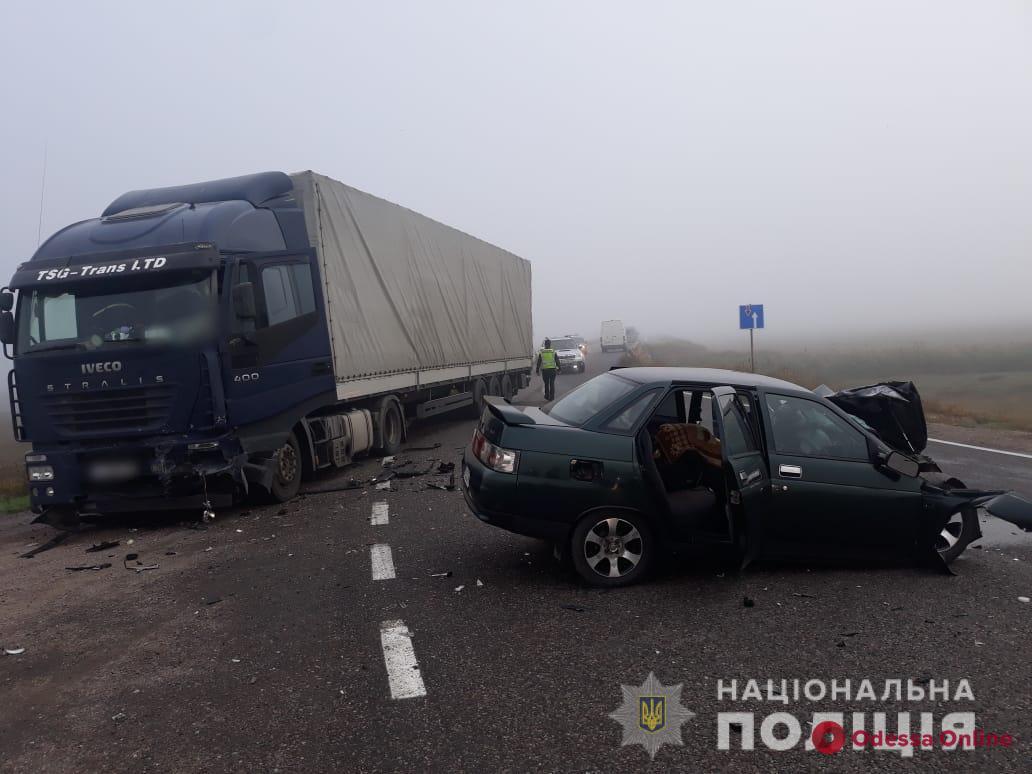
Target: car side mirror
{"type": "Point", "coordinates": [6, 327]}
{"type": "Point", "coordinates": [6, 301]}
{"type": "Point", "coordinates": [902, 464]}
{"type": "Point", "coordinates": [243, 301]}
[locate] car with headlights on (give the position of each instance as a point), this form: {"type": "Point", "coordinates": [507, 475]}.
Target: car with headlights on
{"type": "Point", "coordinates": [571, 356]}
{"type": "Point", "coordinates": [640, 460]}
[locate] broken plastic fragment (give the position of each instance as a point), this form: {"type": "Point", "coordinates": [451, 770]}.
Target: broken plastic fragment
{"type": "Point", "coordinates": [14, 651]}
{"type": "Point", "coordinates": [102, 546]}
{"type": "Point", "coordinates": [383, 485]}
{"type": "Point", "coordinates": [460, 588]}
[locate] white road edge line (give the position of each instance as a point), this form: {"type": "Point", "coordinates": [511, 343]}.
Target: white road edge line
{"type": "Point", "coordinates": [379, 514]}
{"type": "Point", "coordinates": [983, 448]}
{"type": "Point", "coordinates": [382, 561]}
{"type": "Point", "coordinates": [403, 674]}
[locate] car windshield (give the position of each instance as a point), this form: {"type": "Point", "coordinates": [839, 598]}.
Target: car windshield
{"type": "Point", "coordinates": [565, 344]}
{"type": "Point", "coordinates": [590, 398]}
{"type": "Point", "coordinates": [93, 316]}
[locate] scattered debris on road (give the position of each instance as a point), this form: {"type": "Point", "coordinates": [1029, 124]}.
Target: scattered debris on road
{"type": "Point", "coordinates": [447, 574]}
{"type": "Point", "coordinates": [383, 486]}
{"type": "Point", "coordinates": [422, 448]}
{"type": "Point", "coordinates": [575, 608]}
{"type": "Point", "coordinates": [14, 651]}
{"type": "Point", "coordinates": [804, 596]}
{"type": "Point", "coordinates": [748, 602]}
{"type": "Point", "coordinates": [460, 588]}
{"type": "Point", "coordinates": [56, 540]}
{"type": "Point", "coordinates": [386, 462]}
{"type": "Point", "coordinates": [82, 567]}
{"type": "Point", "coordinates": [102, 546]}
{"type": "Point", "coordinates": [1026, 600]}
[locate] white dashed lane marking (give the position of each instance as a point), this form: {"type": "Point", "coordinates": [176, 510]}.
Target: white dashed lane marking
{"type": "Point", "coordinates": [983, 448]}
{"type": "Point", "coordinates": [382, 561]}
{"type": "Point", "coordinates": [379, 516]}
{"type": "Point", "coordinates": [403, 674]}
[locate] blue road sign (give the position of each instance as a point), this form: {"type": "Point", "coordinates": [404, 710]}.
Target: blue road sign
{"type": "Point", "coordinates": [750, 316]}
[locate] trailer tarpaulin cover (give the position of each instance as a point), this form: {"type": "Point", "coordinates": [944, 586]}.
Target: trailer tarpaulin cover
{"type": "Point", "coordinates": [891, 409]}
{"type": "Point", "coordinates": [407, 293]}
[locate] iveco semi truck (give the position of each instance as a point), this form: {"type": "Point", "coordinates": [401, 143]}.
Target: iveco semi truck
{"type": "Point", "coordinates": [199, 342]}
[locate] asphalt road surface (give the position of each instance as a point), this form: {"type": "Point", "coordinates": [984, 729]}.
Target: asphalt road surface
{"type": "Point", "coordinates": [274, 640]}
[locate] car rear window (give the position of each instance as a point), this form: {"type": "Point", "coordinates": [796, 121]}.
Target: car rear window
{"type": "Point", "coordinates": [590, 398]}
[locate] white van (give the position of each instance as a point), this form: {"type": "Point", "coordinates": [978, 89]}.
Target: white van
{"type": "Point", "coordinates": [614, 336]}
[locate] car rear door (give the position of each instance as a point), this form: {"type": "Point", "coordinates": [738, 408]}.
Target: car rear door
{"type": "Point", "coordinates": [746, 469]}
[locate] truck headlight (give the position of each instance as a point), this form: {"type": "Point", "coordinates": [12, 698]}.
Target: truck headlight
{"type": "Point", "coordinates": [41, 473]}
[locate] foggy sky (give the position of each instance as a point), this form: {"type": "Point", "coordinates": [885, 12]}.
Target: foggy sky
{"type": "Point", "coordinates": [855, 166]}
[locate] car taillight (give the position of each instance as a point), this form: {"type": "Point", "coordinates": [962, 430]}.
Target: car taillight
{"type": "Point", "coordinates": [494, 457]}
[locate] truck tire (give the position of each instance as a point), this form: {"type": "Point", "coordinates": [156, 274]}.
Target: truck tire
{"type": "Point", "coordinates": [287, 477]}
{"type": "Point", "coordinates": [507, 390]}
{"type": "Point", "coordinates": [479, 391]}
{"type": "Point", "coordinates": [391, 426]}
{"type": "Point", "coordinates": [494, 387]}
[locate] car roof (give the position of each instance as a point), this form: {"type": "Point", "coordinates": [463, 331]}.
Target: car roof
{"type": "Point", "coordinates": [715, 376]}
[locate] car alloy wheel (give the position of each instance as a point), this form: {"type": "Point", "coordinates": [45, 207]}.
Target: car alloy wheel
{"type": "Point", "coordinates": [955, 535]}
{"type": "Point", "coordinates": [610, 550]}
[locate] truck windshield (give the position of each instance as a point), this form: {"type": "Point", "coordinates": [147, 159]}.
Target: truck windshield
{"type": "Point", "coordinates": [174, 310]}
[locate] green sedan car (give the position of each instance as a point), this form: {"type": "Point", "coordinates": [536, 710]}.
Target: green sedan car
{"type": "Point", "coordinates": [639, 460]}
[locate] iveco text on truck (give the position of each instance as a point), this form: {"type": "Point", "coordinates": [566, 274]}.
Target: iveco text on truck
{"type": "Point", "coordinates": [194, 342]}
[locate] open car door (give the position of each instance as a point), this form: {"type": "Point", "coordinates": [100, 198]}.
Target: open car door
{"type": "Point", "coordinates": [745, 465]}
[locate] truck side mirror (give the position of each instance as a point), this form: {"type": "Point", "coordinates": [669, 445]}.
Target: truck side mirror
{"type": "Point", "coordinates": [243, 301]}
{"type": "Point", "coordinates": [6, 327]}
{"type": "Point", "coordinates": [6, 301]}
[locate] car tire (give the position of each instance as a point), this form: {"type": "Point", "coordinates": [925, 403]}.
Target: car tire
{"type": "Point", "coordinates": [286, 480]}
{"type": "Point", "coordinates": [632, 534]}
{"type": "Point", "coordinates": [957, 534]}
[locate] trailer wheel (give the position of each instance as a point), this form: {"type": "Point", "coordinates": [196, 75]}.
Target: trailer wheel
{"type": "Point", "coordinates": [507, 390]}
{"type": "Point", "coordinates": [479, 390]}
{"type": "Point", "coordinates": [287, 477]}
{"type": "Point", "coordinates": [494, 387]}
{"type": "Point", "coordinates": [391, 426]}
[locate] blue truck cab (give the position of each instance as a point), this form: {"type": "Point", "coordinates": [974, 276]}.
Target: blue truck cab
{"type": "Point", "coordinates": [145, 362]}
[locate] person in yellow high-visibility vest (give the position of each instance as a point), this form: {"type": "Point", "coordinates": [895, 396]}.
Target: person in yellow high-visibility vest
{"type": "Point", "coordinates": [548, 366]}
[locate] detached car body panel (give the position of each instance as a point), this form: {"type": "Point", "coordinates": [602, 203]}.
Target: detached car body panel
{"type": "Point", "coordinates": [711, 458]}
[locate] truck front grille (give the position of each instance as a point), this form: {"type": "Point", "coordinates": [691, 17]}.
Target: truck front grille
{"type": "Point", "coordinates": [123, 409]}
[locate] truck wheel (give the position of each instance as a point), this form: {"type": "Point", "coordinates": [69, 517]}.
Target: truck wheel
{"type": "Point", "coordinates": [959, 531]}
{"type": "Point", "coordinates": [507, 390]}
{"type": "Point", "coordinates": [479, 391]}
{"type": "Point", "coordinates": [391, 425]}
{"type": "Point", "coordinates": [287, 478]}
{"type": "Point", "coordinates": [494, 387]}
{"type": "Point", "coordinates": [612, 550]}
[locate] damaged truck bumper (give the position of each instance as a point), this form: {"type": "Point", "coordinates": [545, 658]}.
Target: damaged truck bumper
{"type": "Point", "coordinates": [151, 474]}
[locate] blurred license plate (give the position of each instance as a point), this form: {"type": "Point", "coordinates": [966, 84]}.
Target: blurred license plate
{"type": "Point", "coordinates": [111, 471]}
{"type": "Point", "coordinates": [465, 476]}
